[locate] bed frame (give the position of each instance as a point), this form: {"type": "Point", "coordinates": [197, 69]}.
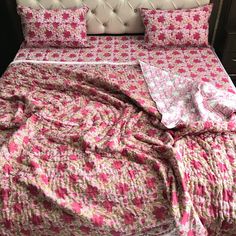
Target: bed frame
{"type": "Point", "coordinates": [121, 16]}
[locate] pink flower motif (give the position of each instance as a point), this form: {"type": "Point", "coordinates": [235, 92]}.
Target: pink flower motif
{"type": "Point", "coordinates": [196, 36]}
{"type": "Point", "coordinates": [65, 16]}
{"type": "Point", "coordinates": [179, 18]}
{"type": "Point", "coordinates": [141, 158]}
{"type": "Point", "coordinates": [61, 192]}
{"type": "Point", "coordinates": [44, 178]}
{"type": "Point", "coordinates": [62, 167]}
{"type": "Point", "coordinates": [205, 79]}
{"type": "Point", "coordinates": [63, 148]}
{"type": "Point", "coordinates": [154, 28]}
{"type": "Point", "coordinates": [132, 87]}
{"type": "Point", "coordinates": [83, 35]}
{"type": "Point", "coordinates": [34, 165]}
{"type": "Point", "coordinates": [185, 218]}
{"type": "Point", "coordinates": [74, 178]}
{"type": "Point", "coordinates": [81, 17]}
{"type": "Point", "coordinates": [196, 164]}
{"type": "Point", "coordinates": [55, 25]}
{"type": "Point", "coordinates": [45, 157]}
{"type": "Point", "coordinates": [36, 220]}
{"type": "Point", "coordinates": [47, 15]}
{"type": "Point", "coordinates": [117, 165]}
{"type": "Point", "coordinates": [29, 15]}
{"type": "Point", "coordinates": [13, 147]}
{"type": "Point", "coordinates": [207, 125]}
{"type": "Point", "coordinates": [98, 220]}
{"type": "Point", "coordinates": [76, 206]}
{"type": "Point", "coordinates": [129, 218]}
{"type": "Point", "coordinates": [152, 132]}
{"type": "Point", "coordinates": [161, 37]}
{"type": "Point", "coordinates": [73, 157]}
{"type": "Point", "coordinates": [122, 188]}
{"type": "Point", "coordinates": [211, 177]}
{"type": "Point", "coordinates": [196, 17]}
{"type": "Point", "coordinates": [37, 24]}
{"type": "Point", "coordinates": [92, 191]}
{"type": "Point", "coordinates": [103, 177]}
{"type": "Point", "coordinates": [179, 36]}
{"type": "Point", "coordinates": [89, 166]}
{"type": "Point", "coordinates": [107, 54]}
{"type": "Point", "coordinates": [189, 26]}
{"type": "Point", "coordinates": [48, 33]}
{"type": "Point", "coordinates": [7, 168]}
{"type": "Point", "coordinates": [17, 208]}
{"type": "Point", "coordinates": [159, 213]}
{"type": "Point", "coordinates": [161, 19]}
{"type": "Point", "coordinates": [200, 190]}
{"type": "Point", "coordinates": [171, 27]}
{"type": "Point", "coordinates": [108, 205]}
{"type": "Point", "coordinates": [73, 25]}
{"type": "Point", "coordinates": [32, 34]}
{"type": "Point", "coordinates": [138, 202]}
{"type": "Point", "coordinates": [7, 224]}
{"type": "Point", "coordinates": [222, 167]}
{"type": "Point", "coordinates": [231, 125]}
{"type": "Point", "coordinates": [151, 183]}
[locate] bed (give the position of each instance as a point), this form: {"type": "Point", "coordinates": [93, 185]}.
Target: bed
{"type": "Point", "coordinates": [83, 147]}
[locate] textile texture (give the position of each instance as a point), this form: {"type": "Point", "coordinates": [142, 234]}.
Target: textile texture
{"type": "Point", "coordinates": [54, 28]}
{"type": "Point", "coordinates": [83, 152]}
{"type": "Point", "coordinates": [184, 27]}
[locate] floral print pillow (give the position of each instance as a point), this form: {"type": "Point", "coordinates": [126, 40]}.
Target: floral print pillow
{"type": "Point", "coordinates": [185, 27]}
{"type": "Point", "coordinates": [54, 28]}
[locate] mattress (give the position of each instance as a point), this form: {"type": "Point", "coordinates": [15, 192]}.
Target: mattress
{"type": "Point", "coordinates": [196, 63]}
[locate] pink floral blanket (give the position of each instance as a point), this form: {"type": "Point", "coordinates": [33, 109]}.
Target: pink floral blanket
{"type": "Point", "coordinates": [83, 152]}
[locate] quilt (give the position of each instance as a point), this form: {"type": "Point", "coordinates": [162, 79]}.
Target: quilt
{"type": "Point", "coordinates": [83, 152]}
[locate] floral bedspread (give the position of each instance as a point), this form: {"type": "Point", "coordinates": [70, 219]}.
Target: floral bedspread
{"type": "Point", "coordinates": [184, 101]}
{"type": "Point", "coordinates": [83, 152]}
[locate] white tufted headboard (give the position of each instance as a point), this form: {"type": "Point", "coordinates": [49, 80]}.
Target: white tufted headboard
{"type": "Point", "coordinates": [114, 16]}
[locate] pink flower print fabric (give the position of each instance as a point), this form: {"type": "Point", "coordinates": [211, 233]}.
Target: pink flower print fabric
{"type": "Point", "coordinates": [54, 28]}
{"type": "Point", "coordinates": [185, 27]}
{"type": "Point", "coordinates": [182, 101]}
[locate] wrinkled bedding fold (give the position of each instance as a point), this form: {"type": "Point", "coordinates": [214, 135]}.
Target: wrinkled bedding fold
{"type": "Point", "coordinates": [83, 152]}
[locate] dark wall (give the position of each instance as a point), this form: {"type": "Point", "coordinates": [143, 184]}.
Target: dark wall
{"type": "Point", "coordinates": [9, 33]}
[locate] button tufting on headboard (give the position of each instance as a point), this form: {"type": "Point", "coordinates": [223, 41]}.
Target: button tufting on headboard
{"type": "Point", "coordinates": [114, 16]}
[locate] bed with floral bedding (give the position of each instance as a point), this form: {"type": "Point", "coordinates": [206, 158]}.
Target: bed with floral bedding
{"type": "Point", "coordinates": [85, 149]}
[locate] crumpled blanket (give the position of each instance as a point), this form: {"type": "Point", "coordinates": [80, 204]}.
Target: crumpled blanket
{"type": "Point", "coordinates": [183, 101]}
{"type": "Point", "coordinates": [83, 152]}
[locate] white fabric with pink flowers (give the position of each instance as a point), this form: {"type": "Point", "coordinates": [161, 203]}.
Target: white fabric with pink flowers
{"type": "Point", "coordinates": [54, 28]}
{"type": "Point", "coordinates": [181, 27]}
{"type": "Point", "coordinates": [182, 101]}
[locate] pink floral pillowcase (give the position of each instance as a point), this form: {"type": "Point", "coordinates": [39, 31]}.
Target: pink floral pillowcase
{"type": "Point", "coordinates": [54, 28]}
{"type": "Point", "coordinates": [185, 27]}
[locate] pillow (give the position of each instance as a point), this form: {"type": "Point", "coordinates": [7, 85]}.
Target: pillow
{"type": "Point", "coordinates": [185, 27]}
{"type": "Point", "coordinates": [54, 28]}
